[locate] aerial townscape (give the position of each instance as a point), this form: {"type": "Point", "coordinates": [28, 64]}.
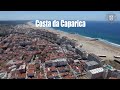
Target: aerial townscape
{"type": "Point", "coordinates": [27, 52]}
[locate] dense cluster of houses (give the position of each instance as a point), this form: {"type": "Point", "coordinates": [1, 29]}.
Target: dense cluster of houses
{"type": "Point", "coordinates": [40, 54]}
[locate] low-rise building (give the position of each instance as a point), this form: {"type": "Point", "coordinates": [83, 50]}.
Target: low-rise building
{"type": "Point", "coordinates": [30, 73]}
{"type": "Point", "coordinates": [21, 76]}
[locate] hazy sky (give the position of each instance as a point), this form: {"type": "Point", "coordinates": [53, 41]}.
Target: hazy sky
{"type": "Point", "coordinates": [74, 15]}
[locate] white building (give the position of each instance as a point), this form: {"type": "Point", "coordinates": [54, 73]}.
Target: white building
{"type": "Point", "coordinates": [95, 73]}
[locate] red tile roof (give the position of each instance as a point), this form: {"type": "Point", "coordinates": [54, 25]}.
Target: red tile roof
{"type": "Point", "coordinates": [30, 71]}
{"type": "Point", "coordinates": [55, 74]}
{"type": "Point", "coordinates": [69, 77]}
{"type": "Point", "coordinates": [21, 75]}
{"type": "Point", "coordinates": [52, 68]}
{"type": "Point", "coordinates": [31, 66]}
{"type": "Point", "coordinates": [112, 78]}
{"type": "Point", "coordinates": [40, 76]}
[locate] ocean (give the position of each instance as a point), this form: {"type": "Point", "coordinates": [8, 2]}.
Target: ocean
{"type": "Point", "coordinates": [102, 30]}
{"type": "Point", "coordinates": [15, 22]}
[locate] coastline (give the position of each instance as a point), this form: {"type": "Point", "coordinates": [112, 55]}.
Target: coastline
{"type": "Point", "coordinates": [97, 47]}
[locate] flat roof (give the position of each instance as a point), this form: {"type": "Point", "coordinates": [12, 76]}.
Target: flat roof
{"type": "Point", "coordinates": [91, 63]}
{"type": "Point", "coordinates": [22, 67]}
{"type": "Point", "coordinates": [95, 56]}
{"type": "Point", "coordinates": [76, 60]}
{"type": "Point", "coordinates": [97, 70]}
{"type": "Point", "coordinates": [57, 60]}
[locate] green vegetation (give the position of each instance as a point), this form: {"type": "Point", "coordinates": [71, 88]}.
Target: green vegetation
{"type": "Point", "coordinates": [113, 63]}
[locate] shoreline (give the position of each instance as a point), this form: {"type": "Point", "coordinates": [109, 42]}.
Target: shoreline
{"type": "Point", "coordinates": [99, 39]}
{"type": "Point", "coordinates": [97, 47]}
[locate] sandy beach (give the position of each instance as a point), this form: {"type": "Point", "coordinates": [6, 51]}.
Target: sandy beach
{"type": "Point", "coordinates": [92, 46]}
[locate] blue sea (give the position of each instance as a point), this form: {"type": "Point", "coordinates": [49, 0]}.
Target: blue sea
{"type": "Point", "coordinates": [14, 22]}
{"type": "Point", "coordinates": [102, 30]}
{"type": "Point", "coordinates": [108, 32]}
